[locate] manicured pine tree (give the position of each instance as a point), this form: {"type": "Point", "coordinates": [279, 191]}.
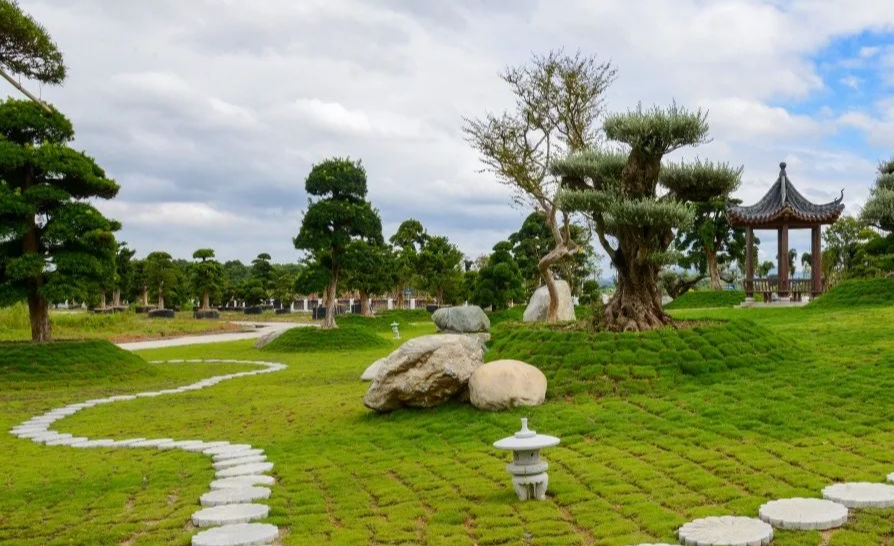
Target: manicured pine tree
{"type": "Point", "coordinates": [27, 50]}
{"type": "Point", "coordinates": [206, 276]}
{"type": "Point", "coordinates": [635, 223]}
{"type": "Point", "coordinates": [124, 268]}
{"type": "Point", "coordinates": [439, 266]}
{"type": "Point", "coordinates": [161, 275]}
{"type": "Point", "coordinates": [407, 242]}
{"type": "Point", "coordinates": [500, 280]}
{"type": "Point", "coordinates": [55, 245]}
{"type": "Point", "coordinates": [337, 214]}
{"type": "Point", "coordinates": [878, 211]}
{"type": "Point", "coordinates": [369, 269]}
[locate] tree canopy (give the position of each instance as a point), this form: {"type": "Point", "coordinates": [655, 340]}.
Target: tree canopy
{"type": "Point", "coordinates": [879, 208]}
{"type": "Point", "coordinates": [206, 277]}
{"type": "Point", "coordinates": [499, 281]}
{"type": "Point", "coordinates": [27, 50]}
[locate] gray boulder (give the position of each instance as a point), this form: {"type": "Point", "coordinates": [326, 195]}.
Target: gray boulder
{"type": "Point", "coordinates": [538, 307]}
{"type": "Point", "coordinates": [461, 320]}
{"type": "Point", "coordinates": [370, 373]}
{"type": "Point", "coordinates": [424, 372]}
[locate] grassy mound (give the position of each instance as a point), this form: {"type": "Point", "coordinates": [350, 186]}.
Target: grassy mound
{"type": "Point", "coordinates": [516, 314]}
{"type": "Point", "coordinates": [707, 298]}
{"type": "Point", "coordinates": [381, 322]}
{"type": "Point", "coordinates": [344, 338]}
{"type": "Point", "coordinates": [68, 360]}
{"type": "Point", "coordinates": [576, 362]}
{"type": "Point", "coordinates": [863, 292]}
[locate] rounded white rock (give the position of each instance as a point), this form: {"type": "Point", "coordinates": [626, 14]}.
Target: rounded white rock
{"type": "Point", "coordinates": [229, 514]}
{"type": "Point", "coordinates": [243, 481]}
{"type": "Point", "coordinates": [726, 531]}
{"type": "Point", "coordinates": [234, 496]}
{"type": "Point", "coordinates": [240, 534]}
{"type": "Point", "coordinates": [804, 514]}
{"type": "Point", "coordinates": [861, 494]}
{"type": "Point", "coordinates": [244, 470]}
{"type": "Point", "coordinates": [237, 454]}
{"type": "Point", "coordinates": [220, 465]}
{"type": "Point", "coordinates": [231, 448]}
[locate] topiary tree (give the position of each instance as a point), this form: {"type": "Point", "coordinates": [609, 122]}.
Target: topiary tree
{"type": "Point", "coordinates": [206, 277]}
{"type": "Point", "coordinates": [879, 208]}
{"type": "Point", "coordinates": [26, 49]}
{"type": "Point", "coordinates": [124, 268]}
{"type": "Point", "coordinates": [369, 269]}
{"type": "Point", "coordinates": [439, 266]}
{"type": "Point", "coordinates": [339, 214]}
{"type": "Point", "coordinates": [262, 270]}
{"type": "Point", "coordinates": [161, 274]}
{"type": "Point", "coordinates": [711, 243]}
{"type": "Point", "coordinates": [55, 245]}
{"type": "Point", "coordinates": [499, 281]}
{"type": "Point", "coordinates": [558, 101]}
{"type": "Point", "coordinates": [635, 224]}
{"type": "Point", "coordinates": [407, 241]}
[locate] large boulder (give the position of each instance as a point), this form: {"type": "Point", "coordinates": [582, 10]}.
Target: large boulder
{"type": "Point", "coordinates": [505, 384]}
{"type": "Point", "coordinates": [370, 373]}
{"type": "Point", "coordinates": [538, 307]}
{"type": "Point", "coordinates": [424, 372]}
{"type": "Point", "coordinates": [462, 320]}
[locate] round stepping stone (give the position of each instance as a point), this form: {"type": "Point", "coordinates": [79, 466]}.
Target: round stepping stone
{"type": "Point", "coordinates": [220, 465]}
{"type": "Point", "coordinates": [245, 470]}
{"type": "Point", "coordinates": [240, 534]}
{"type": "Point", "coordinates": [232, 448]}
{"type": "Point", "coordinates": [237, 455]}
{"type": "Point", "coordinates": [229, 514]}
{"type": "Point", "coordinates": [861, 494]}
{"type": "Point", "coordinates": [726, 531]}
{"type": "Point", "coordinates": [804, 514]}
{"type": "Point", "coordinates": [234, 496]}
{"type": "Point", "coordinates": [243, 481]}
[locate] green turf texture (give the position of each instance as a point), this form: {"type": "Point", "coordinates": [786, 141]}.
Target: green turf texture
{"type": "Point", "coordinates": [635, 462]}
{"type": "Point", "coordinates": [344, 338]}
{"type": "Point", "coordinates": [856, 293]}
{"type": "Point", "coordinates": [707, 298]}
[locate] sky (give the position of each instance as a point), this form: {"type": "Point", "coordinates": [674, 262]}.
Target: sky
{"type": "Point", "coordinates": [210, 113]}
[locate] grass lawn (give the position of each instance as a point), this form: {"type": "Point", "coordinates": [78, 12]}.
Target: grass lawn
{"type": "Point", "coordinates": [648, 442]}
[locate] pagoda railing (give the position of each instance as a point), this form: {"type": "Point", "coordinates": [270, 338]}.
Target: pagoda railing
{"type": "Point", "coordinates": [767, 288]}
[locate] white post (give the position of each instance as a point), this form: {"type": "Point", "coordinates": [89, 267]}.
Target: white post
{"type": "Point", "coordinates": [305, 304]}
{"type": "Point", "coordinates": [390, 304]}
{"type": "Point", "coordinates": [412, 303]}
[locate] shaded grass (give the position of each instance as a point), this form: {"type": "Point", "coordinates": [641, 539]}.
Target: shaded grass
{"type": "Point", "coordinates": [707, 298]}
{"type": "Point", "coordinates": [632, 466]}
{"type": "Point", "coordinates": [857, 292]}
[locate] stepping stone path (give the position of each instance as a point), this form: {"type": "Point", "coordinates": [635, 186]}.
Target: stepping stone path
{"type": "Point", "coordinates": [861, 494]}
{"type": "Point", "coordinates": [241, 468]}
{"type": "Point", "coordinates": [726, 530]}
{"type": "Point", "coordinates": [804, 514]}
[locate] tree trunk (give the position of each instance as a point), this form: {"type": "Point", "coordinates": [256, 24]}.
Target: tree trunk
{"type": "Point", "coordinates": [399, 304]}
{"type": "Point", "coordinates": [116, 298]}
{"type": "Point", "coordinates": [364, 304]}
{"type": "Point", "coordinates": [144, 298]}
{"type": "Point", "coordinates": [331, 301]}
{"type": "Point", "coordinates": [713, 270]}
{"type": "Point", "coordinates": [161, 297]}
{"type": "Point", "coordinates": [206, 304]}
{"type": "Point", "coordinates": [39, 312]}
{"type": "Point", "coordinates": [636, 305]}
{"type": "Point", "coordinates": [552, 314]}
{"type": "Point", "coordinates": [102, 299]}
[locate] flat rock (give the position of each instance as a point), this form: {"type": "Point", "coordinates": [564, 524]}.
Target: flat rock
{"type": "Point", "coordinates": [804, 514]}
{"type": "Point", "coordinates": [861, 494]}
{"type": "Point", "coordinates": [243, 481]}
{"type": "Point", "coordinates": [245, 470]}
{"type": "Point", "coordinates": [229, 514]}
{"type": "Point", "coordinates": [229, 448]}
{"type": "Point", "coordinates": [466, 319]}
{"type": "Point", "coordinates": [240, 534]}
{"type": "Point", "coordinates": [538, 307]}
{"type": "Point", "coordinates": [220, 465]}
{"type": "Point", "coordinates": [726, 531]}
{"type": "Point", "coordinates": [237, 455]}
{"type": "Point", "coordinates": [234, 495]}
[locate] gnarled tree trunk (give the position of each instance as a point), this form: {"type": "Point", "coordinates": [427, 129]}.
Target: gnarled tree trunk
{"type": "Point", "coordinates": [636, 304]}
{"type": "Point", "coordinates": [161, 297]}
{"type": "Point", "coordinates": [364, 304]}
{"type": "Point", "coordinates": [564, 247]}
{"type": "Point", "coordinates": [713, 269]}
{"type": "Point", "coordinates": [331, 300]}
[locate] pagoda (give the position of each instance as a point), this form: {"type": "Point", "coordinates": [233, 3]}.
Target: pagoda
{"type": "Point", "coordinates": [784, 208]}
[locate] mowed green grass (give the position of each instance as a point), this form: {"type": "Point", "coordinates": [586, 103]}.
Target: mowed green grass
{"type": "Point", "coordinates": [808, 403]}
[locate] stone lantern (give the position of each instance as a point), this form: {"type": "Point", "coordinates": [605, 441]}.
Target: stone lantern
{"type": "Point", "coordinates": [529, 477]}
{"type": "Point", "coordinates": [394, 330]}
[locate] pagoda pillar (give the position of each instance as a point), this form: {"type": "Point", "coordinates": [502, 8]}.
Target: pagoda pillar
{"type": "Point", "coordinates": [782, 264]}
{"type": "Point", "coordinates": [816, 262]}
{"type": "Point", "coordinates": [749, 263]}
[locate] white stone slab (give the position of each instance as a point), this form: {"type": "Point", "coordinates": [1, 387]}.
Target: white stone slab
{"type": "Point", "coordinates": [240, 534]}
{"type": "Point", "coordinates": [204, 446]}
{"type": "Point", "coordinates": [231, 448]}
{"type": "Point", "coordinates": [726, 531]}
{"type": "Point", "coordinates": [861, 494]}
{"type": "Point", "coordinates": [237, 455]}
{"type": "Point", "coordinates": [182, 444]}
{"type": "Point", "coordinates": [128, 442]}
{"type": "Point", "coordinates": [152, 443]}
{"type": "Point", "coordinates": [66, 441]}
{"type": "Point", "coordinates": [245, 470]}
{"type": "Point", "coordinates": [220, 465]}
{"type": "Point", "coordinates": [234, 495]}
{"type": "Point", "coordinates": [229, 514]}
{"type": "Point", "coordinates": [243, 481]}
{"type": "Point", "coordinates": [659, 544]}
{"type": "Point", "coordinates": [804, 514]}
{"type": "Point", "coordinates": [102, 442]}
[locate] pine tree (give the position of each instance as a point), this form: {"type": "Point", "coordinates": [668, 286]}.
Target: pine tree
{"type": "Point", "coordinates": [879, 208]}
{"type": "Point", "coordinates": [500, 281]}
{"type": "Point", "coordinates": [206, 276]}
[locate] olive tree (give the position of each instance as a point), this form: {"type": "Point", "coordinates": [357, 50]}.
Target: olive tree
{"type": "Point", "coordinates": [558, 102]}
{"type": "Point", "coordinates": [636, 204]}
{"type": "Point", "coordinates": [54, 245]}
{"type": "Point", "coordinates": [337, 214]}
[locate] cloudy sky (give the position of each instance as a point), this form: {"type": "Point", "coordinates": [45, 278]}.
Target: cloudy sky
{"type": "Point", "coordinates": [210, 113]}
